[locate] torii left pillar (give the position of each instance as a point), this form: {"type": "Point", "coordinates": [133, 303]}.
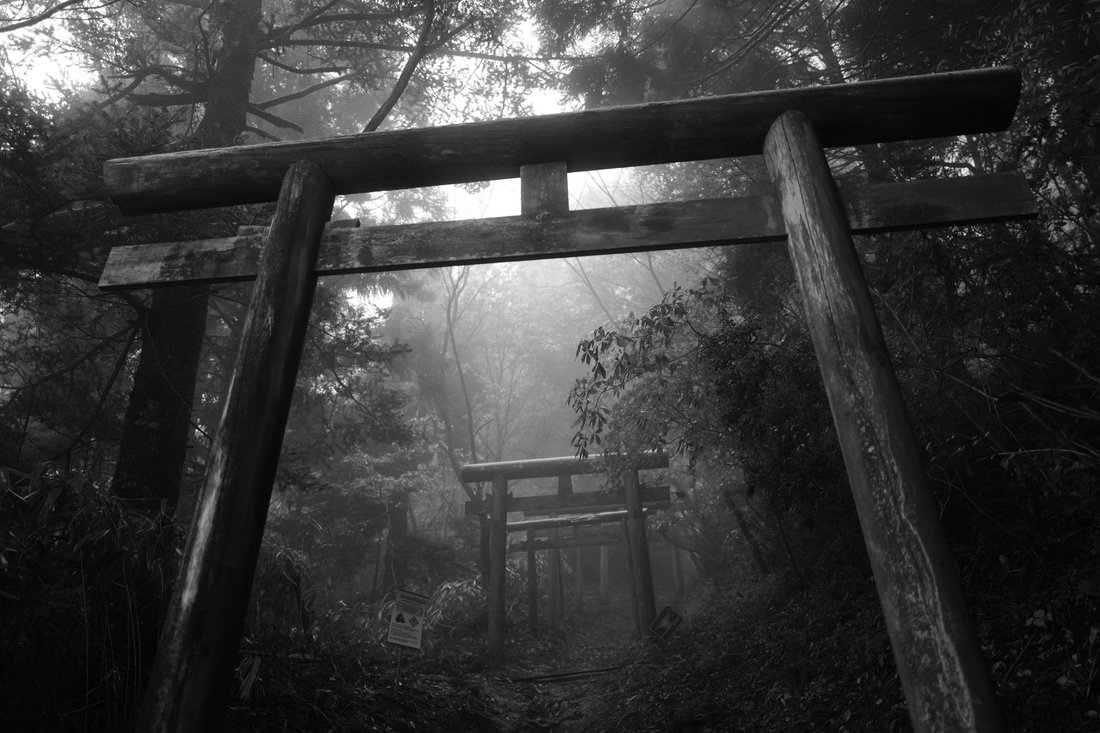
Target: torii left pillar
{"type": "Point", "coordinates": [188, 688]}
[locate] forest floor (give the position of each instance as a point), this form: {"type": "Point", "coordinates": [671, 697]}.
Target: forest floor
{"type": "Point", "coordinates": [773, 657]}
{"type": "Point", "coordinates": [550, 679]}
{"type": "Point", "coordinates": [541, 685]}
{"type": "Point", "coordinates": [736, 662]}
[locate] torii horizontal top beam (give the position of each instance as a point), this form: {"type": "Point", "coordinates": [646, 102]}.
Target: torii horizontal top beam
{"type": "Point", "coordinates": [549, 467]}
{"type": "Point", "coordinates": [938, 105]}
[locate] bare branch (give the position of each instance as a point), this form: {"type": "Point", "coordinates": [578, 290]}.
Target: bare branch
{"type": "Point", "coordinates": [119, 92]}
{"type": "Point", "coordinates": [406, 72]}
{"type": "Point", "coordinates": [186, 98]}
{"type": "Point", "coordinates": [296, 70]}
{"type": "Point", "coordinates": [319, 18]}
{"type": "Point", "coordinates": [334, 43]}
{"type": "Point", "coordinates": [579, 270]}
{"type": "Point", "coordinates": [756, 38]}
{"type": "Point", "coordinates": [304, 92]}
{"type": "Point", "coordinates": [327, 42]}
{"type": "Point", "coordinates": [44, 15]}
{"type": "Point", "coordinates": [446, 37]}
{"type": "Point", "coordinates": [164, 72]}
{"type": "Point", "coordinates": [87, 356]}
{"type": "Point", "coordinates": [120, 362]}
{"type": "Point", "coordinates": [154, 99]}
{"type": "Point", "coordinates": [286, 31]}
{"type": "Point", "coordinates": [273, 119]}
{"type": "Point", "coordinates": [261, 133]}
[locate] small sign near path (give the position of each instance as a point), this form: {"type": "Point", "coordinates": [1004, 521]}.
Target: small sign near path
{"type": "Point", "coordinates": [407, 619]}
{"type": "Point", "coordinates": [665, 623]}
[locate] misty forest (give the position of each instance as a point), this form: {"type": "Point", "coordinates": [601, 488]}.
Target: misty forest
{"type": "Point", "coordinates": [558, 485]}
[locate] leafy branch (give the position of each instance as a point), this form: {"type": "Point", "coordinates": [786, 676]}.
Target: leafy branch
{"type": "Point", "coordinates": [653, 350]}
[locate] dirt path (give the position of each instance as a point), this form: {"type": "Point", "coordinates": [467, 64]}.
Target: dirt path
{"type": "Point", "coordinates": [545, 680]}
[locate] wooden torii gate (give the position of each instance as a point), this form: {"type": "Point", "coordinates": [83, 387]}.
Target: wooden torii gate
{"type": "Point", "coordinates": [944, 676]}
{"type": "Point", "coordinates": [632, 504]}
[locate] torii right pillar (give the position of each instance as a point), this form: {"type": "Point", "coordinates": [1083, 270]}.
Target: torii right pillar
{"type": "Point", "coordinates": [943, 673]}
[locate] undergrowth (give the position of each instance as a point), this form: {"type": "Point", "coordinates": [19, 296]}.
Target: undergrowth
{"type": "Point", "coordinates": [83, 585]}
{"type": "Point", "coordinates": [84, 582]}
{"type": "Point", "coordinates": [775, 657]}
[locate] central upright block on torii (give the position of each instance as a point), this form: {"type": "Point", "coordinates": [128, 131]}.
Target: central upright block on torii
{"type": "Point", "coordinates": [904, 108]}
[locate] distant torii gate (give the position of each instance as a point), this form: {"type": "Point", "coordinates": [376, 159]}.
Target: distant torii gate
{"type": "Point", "coordinates": [630, 503]}
{"type": "Point", "coordinates": [942, 670]}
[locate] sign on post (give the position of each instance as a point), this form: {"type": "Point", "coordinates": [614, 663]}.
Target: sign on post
{"type": "Point", "coordinates": [665, 623]}
{"type": "Point", "coordinates": [407, 619]}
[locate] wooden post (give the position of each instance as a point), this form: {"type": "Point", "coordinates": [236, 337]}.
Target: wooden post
{"type": "Point", "coordinates": [554, 613]}
{"type": "Point", "coordinates": [557, 586]}
{"type": "Point", "coordinates": [189, 685]}
{"type": "Point", "coordinates": [544, 189]}
{"type": "Point", "coordinates": [604, 569]}
{"type": "Point", "coordinates": [578, 573]}
{"type": "Point", "coordinates": [639, 551]}
{"type": "Point", "coordinates": [532, 584]}
{"type": "Point", "coordinates": [942, 670]}
{"type": "Point", "coordinates": [483, 552]}
{"type": "Point", "coordinates": [677, 569]}
{"type": "Point", "coordinates": [630, 573]}
{"type": "Point", "coordinates": [498, 556]}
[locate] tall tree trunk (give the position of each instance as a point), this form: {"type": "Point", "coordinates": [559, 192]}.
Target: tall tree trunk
{"type": "Point", "coordinates": [156, 429]}
{"type": "Point", "coordinates": [158, 417]}
{"type": "Point", "coordinates": [746, 532]}
{"type": "Point", "coordinates": [455, 286]}
{"type": "Point", "coordinates": [397, 519]}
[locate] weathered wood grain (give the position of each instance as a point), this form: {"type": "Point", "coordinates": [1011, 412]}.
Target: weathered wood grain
{"type": "Point", "coordinates": [632, 574]}
{"type": "Point", "coordinates": [558, 466]}
{"type": "Point", "coordinates": [906, 108]}
{"type": "Point", "coordinates": [556, 615]}
{"type": "Point", "coordinates": [192, 673]}
{"type": "Point", "coordinates": [569, 503]}
{"type": "Point", "coordinates": [589, 529]}
{"type": "Point", "coordinates": [870, 209]}
{"type": "Point", "coordinates": [543, 188]}
{"type": "Point", "coordinates": [644, 596]}
{"type": "Point", "coordinates": [942, 670]}
{"type": "Point", "coordinates": [596, 538]}
{"type": "Point", "coordinates": [574, 520]}
{"type": "Point", "coordinates": [605, 568]}
{"type": "Point", "coordinates": [597, 508]}
{"type": "Point", "coordinates": [532, 582]}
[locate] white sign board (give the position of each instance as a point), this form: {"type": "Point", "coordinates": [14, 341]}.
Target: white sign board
{"type": "Point", "coordinates": [407, 619]}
